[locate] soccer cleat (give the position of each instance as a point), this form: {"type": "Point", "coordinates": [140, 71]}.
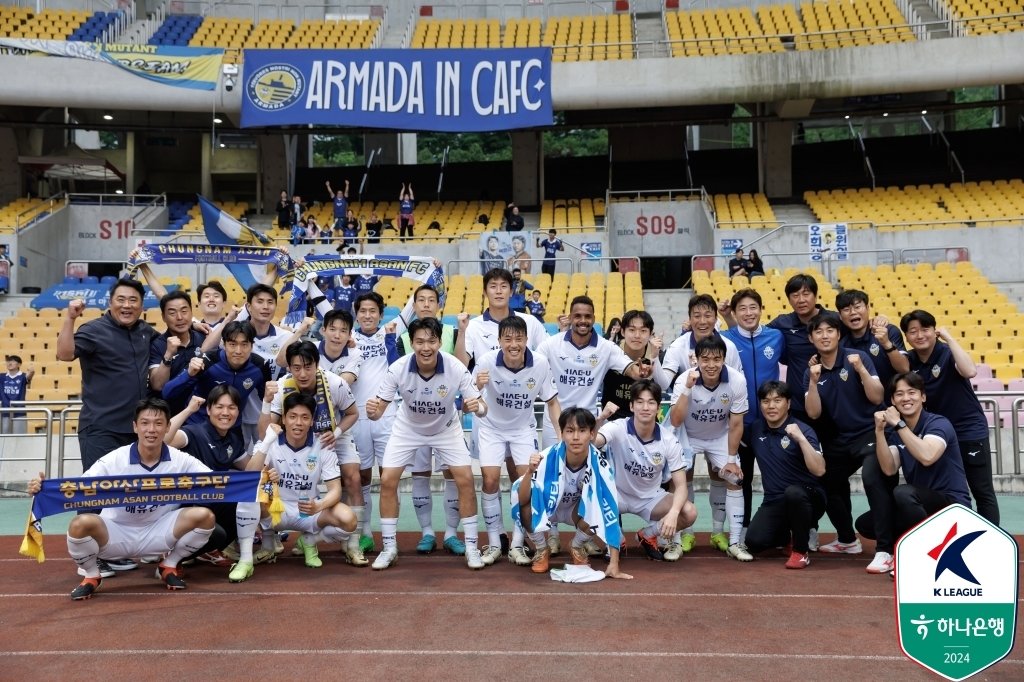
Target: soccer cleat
{"type": "Point", "coordinates": [739, 552]}
{"type": "Point", "coordinates": [171, 576]}
{"type": "Point", "coordinates": [86, 589]}
{"type": "Point", "coordinates": [720, 541]}
{"type": "Point", "coordinates": [105, 571]}
{"type": "Point", "coordinates": [387, 558]}
{"type": "Point", "coordinates": [151, 559]}
{"type": "Point", "coordinates": [836, 547]}
{"type": "Point", "coordinates": [278, 545]}
{"type": "Point", "coordinates": [541, 561]}
{"type": "Point", "coordinates": [455, 546]}
{"type": "Point", "coordinates": [355, 557]}
{"type": "Point", "coordinates": [310, 552]}
{"type": "Point", "coordinates": [882, 563]}
{"type": "Point", "coordinates": [366, 544]}
{"type": "Point", "coordinates": [554, 543]}
{"type": "Point", "coordinates": [812, 540]}
{"type": "Point", "coordinates": [240, 572]}
{"type": "Point", "coordinates": [519, 557]}
{"type": "Point", "coordinates": [594, 547]}
{"type": "Point", "coordinates": [214, 558]}
{"type": "Point", "coordinates": [296, 550]}
{"type": "Point", "coordinates": [473, 558]}
{"type": "Point", "coordinates": [231, 551]}
{"type": "Point", "coordinates": [426, 545]}
{"type": "Point", "coordinates": [688, 542]}
{"type": "Point", "coordinates": [797, 560]}
{"type": "Point", "coordinates": [122, 565]}
{"type": "Point", "coordinates": [673, 552]}
{"type": "Point", "coordinates": [650, 547]}
{"type": "Point", "coordinates": [578, 554]}
{"type": "Point", "coordinates": [490, 554]}
{"type": "Point", "coordinates": [264, 556]}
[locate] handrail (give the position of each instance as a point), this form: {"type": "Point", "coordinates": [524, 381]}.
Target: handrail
{"type": "Point", "coordinates": [943, 249]}
{"type": "Point", "coordinates": [615, 260]}
{"type": "Point", "coordinates": [988, 398]}
{"type": "Point", "coordinates": [476, 261]}
{"type": "Point", "coordinates": [26, 407]}
{"type": "Point", "coordinates": [160, 201]}
{"type": "Point", "coordinates": [38, 210]}
{"type": "Point", "coordinates": [1015, 425]}
{"type": "Point", "coordinates": [63, 435]}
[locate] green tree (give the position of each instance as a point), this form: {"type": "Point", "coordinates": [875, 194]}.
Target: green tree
{"type": "Point", "coordinates": [980, 117]}
{"type": "Point", "coordinates": [337, 150]}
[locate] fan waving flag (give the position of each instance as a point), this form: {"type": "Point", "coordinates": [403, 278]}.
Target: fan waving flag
{"type": "Point", "coordinates": [222, 229]}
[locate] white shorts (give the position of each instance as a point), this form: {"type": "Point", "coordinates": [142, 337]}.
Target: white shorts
{"type": "Point", "coordinates": [291, 520]}
{"type": "Point", "coordinates": [716, 452]}
{"type": "Point", "coordinates": [642, 507]}
{"type": "Point", "coordinates": [126, 541]}
{"type": "Point", "coordinates": [449, 446]}
{"type": "Point", "coordinates": [496, 445]}
{"type": "Point", "coordinates": [371, 439]}
{"type": "Point", "coordinates": [563, 514]}
{"type": "Point", "coordinates": [345, 448]}
{"type": "Point", "coordinates": [425, 461]}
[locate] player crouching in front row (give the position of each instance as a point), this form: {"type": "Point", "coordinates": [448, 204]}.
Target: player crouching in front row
{"type": "Point", "coordinates": [142, 530]}
{"type": "Point", "coordinates": [299, 464]}
{"type": "Point", "coordinates": [571, 482]}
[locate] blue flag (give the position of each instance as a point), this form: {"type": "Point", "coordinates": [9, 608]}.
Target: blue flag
{"type": "Point", "coordinates": [223, 229]}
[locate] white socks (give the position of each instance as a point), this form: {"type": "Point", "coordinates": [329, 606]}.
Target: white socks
{"type": "Point", "coordinates": [491, 503]}
{"type": "Point", "coordinates": [423, 503]}
{"type": "Point", "coordinates": [187, 545]}
{"type": "Point", "coordinates": [470, 532]}
{"type": "Point", "coordinates": [451, 509]}
{"type": "Point", "coordinates": [85, 551]}
{"type": "Point", "coordinates": [388, 532]}
{"type": "Point", "coordinates": [716, 495]}
{"type": "Point", "coordinates": [734, 510]}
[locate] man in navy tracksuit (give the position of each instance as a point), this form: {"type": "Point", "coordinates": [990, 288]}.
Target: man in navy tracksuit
{"type": "Point", "coordinates": [760, 349]}
{"type": "Point", "coordinates": [235, 365]}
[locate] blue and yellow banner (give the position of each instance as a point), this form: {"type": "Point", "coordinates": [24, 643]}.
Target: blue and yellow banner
{"type": "Point", "coordinates": [443, 90]}
{"type": "Point", "coordinates": [59, 495]}
{"type": "Point", "coordinates": [184, 67]}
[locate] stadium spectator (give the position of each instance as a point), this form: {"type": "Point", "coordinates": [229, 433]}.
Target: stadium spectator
{"type": "Point", "coordinates": [13, 387]}
{"type": "Point", "coordinates": [350, 233]}
{"type": "Point", "coordinates": [842, 384]}
{"type": "Point", "coordinates": [756, 265]}
{"type": "Point", "coordinates": [298, 232]}
{"type": "Point", "coordinates": [514, 223]}
{"type": "Point", "coordinates": [614, 331]}
{"type": "Point", "coordinates": [759, 348]}
{"type": "Point", "coordinates": [339, 205]}
{"type": "Point", "coordinates": [138, 531]}
{"type": "Point", "coordinates": [552, 245]}
{"type": "Point", "coordinates": [520, 258]}
{"type": "Point", "coordinates": [791, 464]}
{"type": "Point", "coordinates": [536, 306]}
{"type": "Point", "coordinates": [406, 218]}
{"type": "Point", "coordinates": [296, 209]}
{"type": "Point", "coordinates": [284, 211]}
{"type": "Point", "coordinates": [520, 286]}
{"type": "Point", "coordinates": [739, 265]}
{"type": "Point", "coordinates": [171, 351]}
{"type": "Point", "coordinates": [312, 230]}
{"type": "Point", "coordinates": [925, 446]}
{"type": "Point", "coordinates": [947, 370]}
{"type": "Point", "coordinates": [374, 228]}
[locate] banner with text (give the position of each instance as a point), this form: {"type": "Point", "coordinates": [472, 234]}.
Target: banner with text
{"type": "Point", "coordinates": [658, 228]}
{"type": "Point", "coordinates": [442, 90]}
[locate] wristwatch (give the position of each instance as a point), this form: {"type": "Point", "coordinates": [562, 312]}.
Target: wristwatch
{"type": "Point", "coordinates": [901, 425]}
{"type": "Point", "coordinates": [890, 349]}
{"type": "Point", "coordinates": [167, 362]}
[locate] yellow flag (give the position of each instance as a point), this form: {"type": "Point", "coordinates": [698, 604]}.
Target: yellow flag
{"type": "Point", "coordinates": [276, 507]}
{"type": "Point", "coordinates": [32, 544]}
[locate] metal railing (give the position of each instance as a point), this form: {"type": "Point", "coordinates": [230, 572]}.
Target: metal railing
{"type": "Point", "coordinates": [72, 408]}
{"type": "Point", "coordinates": [30, 407]}
{"type": "Point", "coordinates": [613, 262]}
{"type": "Point", "coordinates": [31, 215]}
{"type": "Point", "coordinates": [941, 254]}
{"type": "Point", "coordinates": [476, 261]}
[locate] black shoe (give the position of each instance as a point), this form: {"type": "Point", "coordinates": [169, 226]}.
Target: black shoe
{"type": "Point", "coordinates": [86, 589]}
{"type": "Point", "coordinates": [650, 547]}
{"type": "Point", "coordinates": [122, 565]}
{"type": "Point", "coordinates": [171, 578]}
{"type": "Point", "coordinates": [504, 544]}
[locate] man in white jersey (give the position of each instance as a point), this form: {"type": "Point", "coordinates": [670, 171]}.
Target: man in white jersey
{"type": "Point", "coordinates": [338, 353]}
{"type": "Point", "coordinates": [378, 348]}
{"type": "Point", "coordinates": [428, 382]}
{"type": "Point", "coordinates": [511, 378]}
{"type": "Point", "coordinates": [335, 414]}
{"type": "Point", "coordinates": [579, 359]}
{"type": "Point", "coordinates": [260, 310]}
{"type": "Point", "coordinates": [142, 530]}
{"type": "Point", "coordinates": [709, 404]}
{"type": "Point", "coordinates": [300, 464]}
{"type": "Point", "coordinates": [681, 356]}
{"type": "Point", "coordinates": [644, 454]}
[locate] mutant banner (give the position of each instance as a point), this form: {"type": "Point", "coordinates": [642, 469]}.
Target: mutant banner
{"type": "Point", "coordinates": [184, 67]}
{"type": "Point", "coordinates": [443, 90]}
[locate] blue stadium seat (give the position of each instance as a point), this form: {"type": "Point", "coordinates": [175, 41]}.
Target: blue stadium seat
{"type": "Point", "coordinates": [108, 279]}
{"type": "Point", "coordinates": [91, 279]}
{"type": "Point", "coordinates": [72, 280]}
{"type": "Point", "coordinates": [551, 327]}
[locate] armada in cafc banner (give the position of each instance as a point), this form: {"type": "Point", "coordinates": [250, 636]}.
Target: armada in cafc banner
{"type": "Point", "coordinates": [441, 90]}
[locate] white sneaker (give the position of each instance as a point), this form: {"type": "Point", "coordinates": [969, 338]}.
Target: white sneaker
{"type": "Point", "coordinates": [473, 558]}
{"type": "Point", "coordinates": [882, 563]}
{"type": "Point", "coordinates": [490, 554]}
{"type": "Point", "coordinates": [836, 547]}
{"type": "Point", "coordinates": [593, 547]}
{"type": "Point", "coordinates": [519, 557]}
{"type": "Point", "coordinates": [812, 540]}
{"type": "Point", "coordinates": [554, 543]}
{"type": "Point", "coordinates": [739, 552]}
{"type": "Point", "coordinates": [387, 558]}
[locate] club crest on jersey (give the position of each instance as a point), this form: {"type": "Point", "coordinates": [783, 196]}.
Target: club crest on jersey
{"type": "Point", "coordinates": [936, 371]}
{"type": "Point", "coordinates": [311, 463]}
{"type": "Point", "coordinates": [247, 384]}
{"type": "Point", "coordinates": [843, 374]}
{"type": "Point", "coordinates": [768, 352]}
{"type": "Point", "coordinates": [724, 399]}
{"type": "Point", "coordinates": [874, 349]}
{"type": "Point", "coordinates": [593, 359]}
{"type": "Point", "coordinates": [785, 442]}
{"type": "Point", "coordinates": [657, 459]}
{"type": "Point", "coordinates": [531, 383]}
{"type": "Point", "coordinates": [442, 390]}
{"type": "Point", "coordinates": [230, 451]}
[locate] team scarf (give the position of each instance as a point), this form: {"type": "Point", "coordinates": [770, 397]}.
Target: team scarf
{"type": "Point", "coordinates": [58, 495]}
{"type": "Point", "coordinates": [246, 263]}
{"type": "Point", "coordinates": [598, 506]}
{"type": "Point", "coordinates": [324, 420]}
{"type": "Point", "coordinates": [304, 288]}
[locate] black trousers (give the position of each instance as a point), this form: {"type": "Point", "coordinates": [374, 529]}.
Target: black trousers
{"type": "Point", "coordinates": [910, 506]}
{"type": "Point", "coordinates": [977, 459]}
{"type": "Point", "coordinates": [405, 227]}
{"type": "Point", "coordinates": [842, 459]}
{"type": "Point", "coordinates": [776, 522]}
